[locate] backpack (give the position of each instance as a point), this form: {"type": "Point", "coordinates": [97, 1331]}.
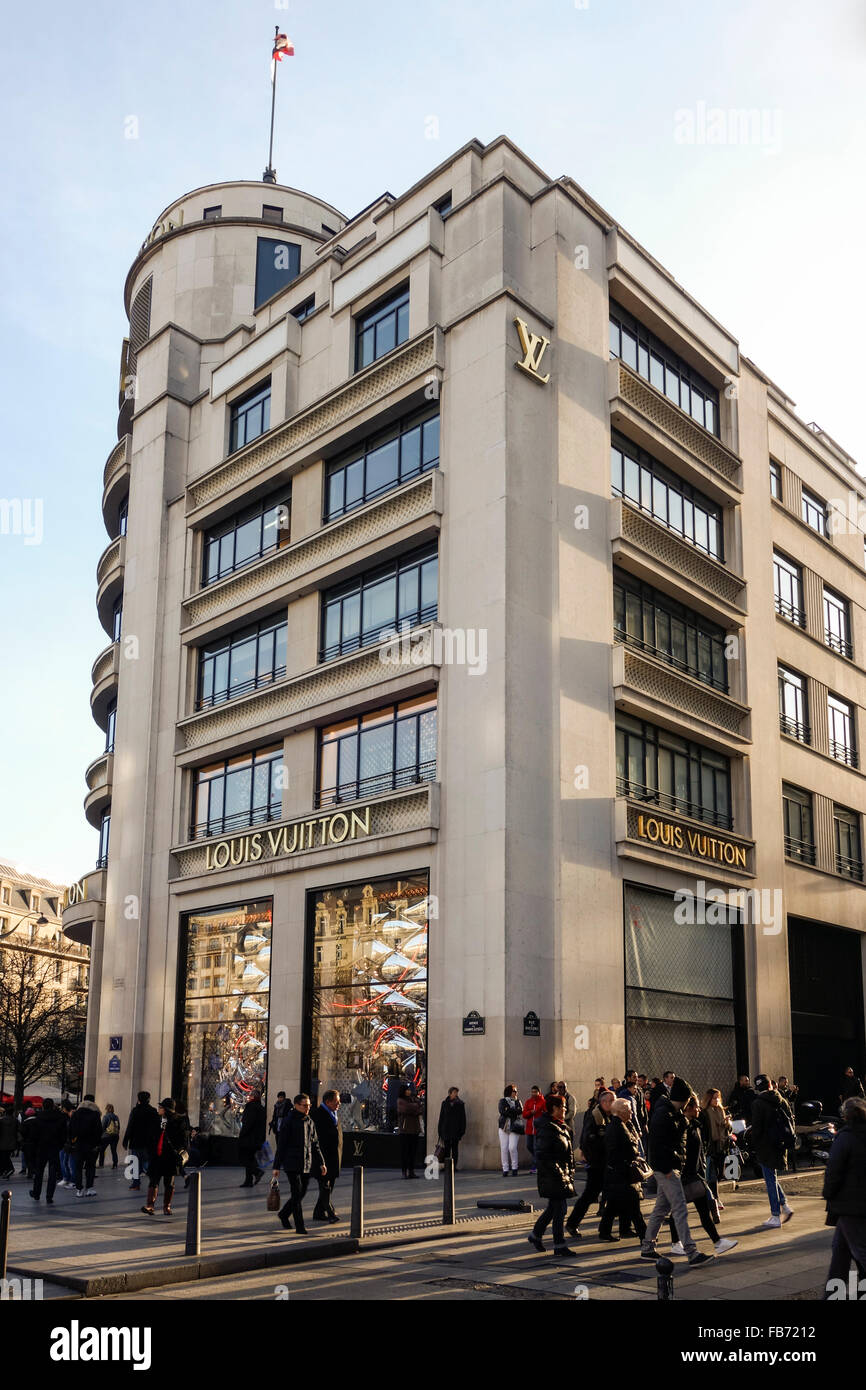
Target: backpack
{"type": "Point", "coordinates": [779, 1128]}
{"type": "Point", "coordinates": [113, 1126]}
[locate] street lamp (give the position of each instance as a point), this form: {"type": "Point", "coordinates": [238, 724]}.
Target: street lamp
{"type": "Point", "coordinates": [41, 921]}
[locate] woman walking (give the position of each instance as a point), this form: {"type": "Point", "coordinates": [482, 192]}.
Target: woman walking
{"type": "Point", "coordinates": [715, 1123]}
{"type": "Point", "coordinates": [110, 1135]}
{"type": "Point", "coordinates": [622, 1174]}
{"type": "Point", "coordinates": [251, 1138]}
{"type": "Point", "coordinates": [511, 1128]}
{"type": "Point", "coordinates": [695, 1189]}
{"type": "Point", "coordinates": [533, 1109]}
{"type": "Point", "coordinates": [554, 1158]}
{"type": "Point", "coordinates": [409, 1125]}
{"type": "Point", "coordinates": [168, 1155]}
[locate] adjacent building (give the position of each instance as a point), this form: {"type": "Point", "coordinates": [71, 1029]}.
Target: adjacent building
{"type": "Point", "coordinates": [485, 681]}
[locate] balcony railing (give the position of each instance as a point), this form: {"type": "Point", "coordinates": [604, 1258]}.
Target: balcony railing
{"type": "Point", "coordinates": [238, 820]}
{"type": "Point", "coordinates": [803, 850]}
{"type": "Point", "coordinates": [843, 753]}
{"type": "Point", "coordinates": [794, 729]}
{"type": "Point", "coordinates": [790, 611]}
{"type": "Point", "coordinates": [849, 868]}
{"type": "Point", "coordinates": [241, 688]}
{"type": "Point", "coordinates": [681, 805]}
{"type": "Point", "coordinates": [376, 785]}
{"type": "Point", "coordinates": [662, 654]}
{"type": "Point", "coordinates": [837, 643]}
{"type": "Point", "coordinates": [396, 626]}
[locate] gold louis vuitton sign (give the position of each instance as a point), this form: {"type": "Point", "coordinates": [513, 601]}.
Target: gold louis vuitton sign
{"type": "Point", "coordinates": [288, 839]}
{"type": "Point", "coordinates": [684, 840]}
{"type": "Point", "coordinates": [534, 348]}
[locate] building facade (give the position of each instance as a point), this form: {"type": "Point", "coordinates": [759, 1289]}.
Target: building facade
{"type": "Point", "coordinates": [485, 681]}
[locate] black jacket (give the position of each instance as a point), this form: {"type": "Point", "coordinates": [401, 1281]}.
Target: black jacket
{"type": "Point", "coordinates": [510, 1109]}
{"type": "Point", "coordinates": [330, 1137]}
{"type": "Point", "coordinates": [175, 1138]}
{"type": "Point", "coordinates": [694, 1165]}
{"type": "Point", "coordinates": [667, 1137]}
{"type": "Point", "coordinates": [591, 1143]}
{"type": "Point", "coordinates": [452, 1119]}
{"type": "Point", "coordinates": [142, 1127]}
{"type": "Point", "coordinates": [50, 1132]}
{"type": "Point", "coordinates": [769, 1113]}
{"type": "Point", "coordinates": [851, 1086]}
{"type": "Point", "coordinates": [622, 1147]}
{"type": "Point", "coordinates": [740, 1102]}
{"type": "Point", "coordinates": [85, 1126]}
{"type": "Point", "coordinates": [280, 1110]}
{"type": "Point", "coordinates": [298, 1148]}
{"type": "Point", "coordinates": [554, 1159]}
{"type": "Point", "coordinates": [656, 1093]}
{"type": "Point", "coordinates": [251, 1135]}
{"type": "Point", "coordinates": [845, 1177]}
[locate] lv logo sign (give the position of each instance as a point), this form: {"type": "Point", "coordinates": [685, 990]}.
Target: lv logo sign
{"type": "Point", "coordinates": [534, 348]}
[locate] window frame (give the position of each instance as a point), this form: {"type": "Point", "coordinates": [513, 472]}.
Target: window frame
{"type": "Point", "coordinates": [233, 523]}
{"type": "Point", "coordinates": [655, 607]}
{"type": "Point", "coordinates": [837, 604]}
{"type": "Point", "coordinates": [375, 317]}
{"type": "Point", "coordinates": [841, 717]}
{"type": "Point", "coordinates": [363, 583]}
{"type": "Point", "coordinates": [813, 511]}
{"type": "Point", "coordinates": [264, 630]}
{"type": "Point", "coordinates": [689, 382]}
{"type": "Point", "coordinates": [395, 716]}
{"type": "Point", "coordinates": [776, 480]}
{"type": "Point", "coordinates": [682, 756]}
{"type": "Point", "coordinates": [651, 477]}
{"type": "Point", "coordinates": [786, 608]}
{"type": "Point", "coordinates": [270, 756]}
{"type": "Point", "coordinates": [797, 728]}
{"type": "Point", "coordinates": [366, 448]}
{"type": "Point", "coordinates": [800, 847]}
{"type": "Point", "coordinates": [242, 408]}
{"type": "Point", "coordinates": [847, 864]}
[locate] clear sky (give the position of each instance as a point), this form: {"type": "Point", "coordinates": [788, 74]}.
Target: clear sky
{"type": "Point", "coordinates": [766, 232]}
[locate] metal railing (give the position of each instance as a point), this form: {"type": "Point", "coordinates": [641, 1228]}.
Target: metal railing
{"type": "Point", "coordinates": [790, 611]}
{"type": "Point", "coordinates": [803, 850]}
{"type": "Point", "coordinates": [397, 626]}
{"type": "Point", "coordinates": [230, 692]}
{"type": "Point", "coordinates": [849, 868]}
{"type": "Point", "coordinates": [627, 639]}
{"type": "Point", "coordinates": [374, 786]}
{"type": "Point", "coordinates": [837, 643]}
{"type": "Point", "coordinates": [239, 820]}
{"type": "Point", "coordinates": [794, 729]}
{"type": "Point", "coordinates": [681, 805]}
{"type": "Point", "coordinates": [843, 753]}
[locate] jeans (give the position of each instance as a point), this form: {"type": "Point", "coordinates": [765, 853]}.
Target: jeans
{"type": "Point", "coordinates": [555, 1212]}
{"type": "Point", "coordinates": [669, 1202]}
{"type": "Point", "coordinates": [590, 1194]}
{"type": "Point", "coordinates": [774, 1191]}
{"type": "Point", "coordinates": [508, 1150]}
{"type": "Point", "coordinates": [67, 1167]}
{"type": "Point", "coordinates": [849, 1243]}
{"type": "Point", "coordinates": [53, 1169]}
{"type": "Point", "coordinates": [143, 1158]}
{"type": "Point", "coordinates": [104, 1144]}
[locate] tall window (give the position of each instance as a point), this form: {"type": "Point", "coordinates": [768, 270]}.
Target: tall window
{"type": "Point", "coordinates": [664, 369]}
{"type": "Point", "coordinates": [849, 854]}
{"type": "Point", "coordinates": [104, 832]}
{"type": "Point", "coordinates": [362, 610]}
{"type": "Point", "coordinates": [111, 726]}
{"type": "Point", "coordinates": [648, 619]}
{"type": "Point", "coordinates": [776, 480]}
{"type": "Point", "coordinates": [381, 463]}
{"type": "Point", "coordinates": [304, 309]}
{"type": "Point", "coordinates": [116, 619]}
{"type": "Point", "coordinates": [239, 791]}
{"type": "Point", "coordinates": [245, 537]}
{"type": "Point", "coordinates": [837, 630]}
{"type": "Point", "coordinates": [382, 328]}
{"type": "Point", "coordinates": [123, 517]}
{"type": "Point", "coordinates": [788, 589]}
{"type": "Point", "coordinates": [278, 263]}
{"type": "Point", "coordinates": [840, 719]}
{"type": "Point", "coordinates": [793, 705]}
{"type": "Point", "coordinates": [797, 816]}
{"type": "Point", "coordinates": [814, 512]}
{"type": "Point", "coordinates": [673, 773]}
{"type": "Point", "coordinates": [250, 416]}
{"type": "Point", "coordinates": [242, 661]}
{"type": "Point", "coordinates": [378, 751]}
{"type": "Point", "coordinates": [653, 488]}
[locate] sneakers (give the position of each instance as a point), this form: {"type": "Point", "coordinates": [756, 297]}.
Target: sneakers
{"type": "Point", "coordinates": [724, 1244]}
{"type": "Point", "coordinates": [770, 1223]}
{"type": "Point", "coordinates": [677, 1248]}
{"type": "Point", "coordinates": [91, 1192]}
{"type": "Point", "coordinates": [787, 1212]}
{"type": "Point", "coordinates": [700, 1259]}
{"type": "Point", "coordinates": [648, 1255]}
{"type": "Point", "coordinates": [80, 1192]}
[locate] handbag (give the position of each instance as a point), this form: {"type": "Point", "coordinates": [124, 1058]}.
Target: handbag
{"type": "Point", "coordinates": [439, 1152]}
{"type": "Point", "coordinates": [273, 1203]}
{"type": "Point", "coordinates": [640, 1171]}
{"type": "Point", "coordinates": [517, 1125]}
{"type": "Point", "coordinates": [696, 1189]}
{"type": "Point", "coordinates": [182, 1158]}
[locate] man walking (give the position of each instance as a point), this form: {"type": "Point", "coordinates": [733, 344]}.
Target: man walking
{"type": "Point", "coordinates": [667, 1151]}
{"type": "Point", "coordinates": [772, 1136]}
{"type": "Point", "coordinates": [140, 1136]}
{"type": "Point", "coordinates": [452, 1123]}
{"type": "Point", "coordinates": [50, 1138]}
{"type": "Point", "coordinates": [85, 1132]}
{"type": "Point", "coordinates": [298, 1154]}
{"type": "Point", "coordinates": [329, 1133]}
{"type": "Point", "coordinates": [741, 1100]}
{"type": "Point", "coordinates": [852, 1087]}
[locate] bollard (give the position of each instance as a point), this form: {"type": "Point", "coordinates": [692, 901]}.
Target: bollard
{"type": "Point", "coordinates": [448, 1193]}
{"type": "Point", "coordinates": [193, 1215]}
{"type": "Point", "coordinates": [356, 1223]}
{"type": "Point", "coordinates": [5, 1217]}
{"type": "Point", "coordinates": [665, 1284]}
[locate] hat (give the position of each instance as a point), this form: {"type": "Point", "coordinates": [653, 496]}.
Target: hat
{"type": "Point", "coordinates": [29, 1111]}
{"type": "Point", "coordinates": [680, 1090]}
{"type": "Point", "coordinates": [167, 1104]}
{"type": "Point", "coordinates": [762, 1082]}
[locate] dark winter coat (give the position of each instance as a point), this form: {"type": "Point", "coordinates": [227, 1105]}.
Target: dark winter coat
{"type": "Point", "coordinates": [329, 1133]}
{"type": "Point", "coordinates": [452, 1119]}
{"type": "Point", "coordinates": [142, 1127]}
{"type": "Point", "coordinates": [29, 1133]}
{"type": "Point", "coordinates": [252, 1131]}
{"type": "Point", "coordinates": [667, 1137]}
{"type": "Point", "coordinates": [409, 1115]}
{"type": "Point", "coordinates": [740, 1102]}
{"type": "Point", "coordinates": [50, 1133]}
{"type": "Point", "coordinates": [8, 1134]}
{"type": "Point", "coordinates": [298, 1148]}
{"type": "Point", "coordinates": [695, 1163]}
{"type": "Point", "coordinates": [85, 1126]}
{"type": "Point", "coordinates": [622, 1147]}
{"type": "Point", "coordinates": [845, 1177]}
{"type": "Point", "coordinates": [768, 1148]}
{"type": "Point", "coordinates": [851, 1086]}
{"type": "Point", "coordinates": [175, 1140]}
{"type": "Point", "coordinates": [591, 1144]}
{"type": "Point", "coordinates": [554, 1159]}
{"type": "Point", "coordinates": [510, 1109]}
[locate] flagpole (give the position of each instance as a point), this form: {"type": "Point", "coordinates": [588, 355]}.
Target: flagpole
{"type": "Point", "coordinates": [270, 175]}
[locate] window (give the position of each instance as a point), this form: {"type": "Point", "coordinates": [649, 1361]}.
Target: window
{"type": "Point", "coordinates": [836, 625]}
{"type": "Point", "coordinates": [5, 898]}
{"type": "Point", "coordinates": [382, 600]}
{"type": "Point", "coordinates": [675, 504]}
{"type": "Point", "coordinates": [116, 619]}
{"type": "Point", "coordinates": [122, 516]}
{"type": "Point", "coordinates": [271, 214]}
{"type": "Point", "coordinates": [250, 416]}
{"type": "Point", "coordinates": [303, 311]}
{"type": "Point", "coordinates": [111, 726]}
{"type": "Point", "coordinates": [382, 328]}
{"type": "Point", "coordinates": [4, 927]}
{"type": "Point", "coordinates": [443, 207]}
{"type": "Point", "coordinates": [212, 214]}
{"type": "Point", "coordinates": [239, 791]}
{"type": "Point", "coordinates": [380, 463]}
{"type": "Point", "coordinates": [278, 263]}
{"type": "Point", "coordinates": [793, 706]}
{"type": "Point", "coordinates": [650, 620]}
{"type": "Point", "coordinates": [797, 816]}
{"type": "Point", "coordinates": [776, 480]}
{"type": "Point", "coordinates": [658, 364]}
{"type": "Point", "coordinates": [104, 832]}
{"type": "Point", "coordinates": [849, 855]}
{"type": "Point", "coordinates": [673, 773]}
{"type": "Point", "coordinates": [35, 900]}
{"type": "Point", "coordinates": [840, 720]}
{"type": "Point", "coordinates": [788, 589]}
{"type": "Point", "coordinates": [242, 661]}
{"type": "Point", "coordinates": [245, 537]}
{"type": "Point", "coordinates": [814, 512]}
{"type": "Point", "coordinates": [377, 752]}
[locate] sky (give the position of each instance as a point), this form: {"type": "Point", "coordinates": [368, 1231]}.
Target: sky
{"type": "Point", "coordinates": [120, 110]}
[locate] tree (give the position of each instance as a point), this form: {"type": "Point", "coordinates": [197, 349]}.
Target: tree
{"type": "Point", "coordinates": [40, 1027]}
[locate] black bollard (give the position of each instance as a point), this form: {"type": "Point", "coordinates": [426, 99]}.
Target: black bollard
{"type": "Point", "coordinates": [5, 1217]}
{"type": "Point", "coordinates": [356, 1223]}
{"type": "Point", "coordinates": [448, 1193]}
{"type": "Point", "coordinates": [193, 1215]}
{"type": "Point", "coordinates": [665, 1284]}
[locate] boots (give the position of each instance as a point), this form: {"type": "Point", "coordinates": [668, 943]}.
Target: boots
{"type": "Point", "coordinates": [151, 1198]}
{"type": "Point", "coordinates": [166, 1201]}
